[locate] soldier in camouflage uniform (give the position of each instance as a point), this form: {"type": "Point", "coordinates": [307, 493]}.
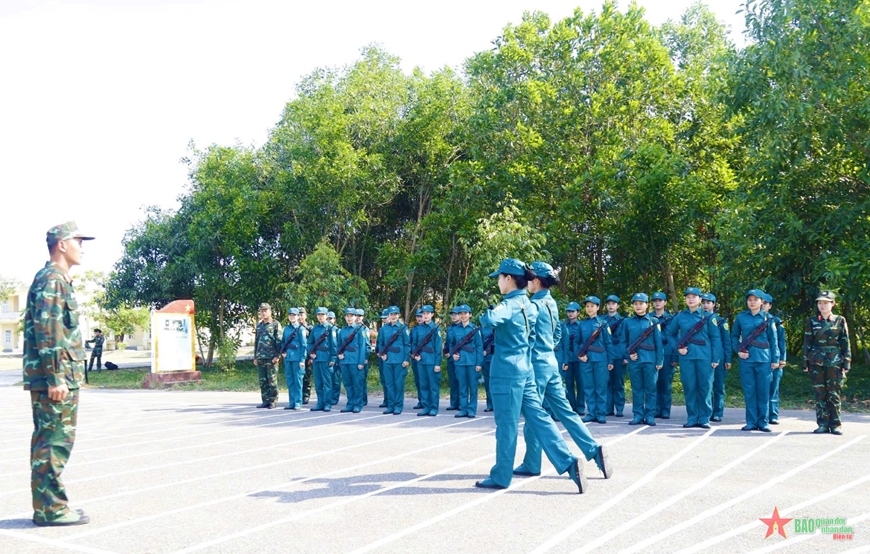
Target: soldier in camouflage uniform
{"type": "Point", "coordinates": [827, 357]}
{"type": "Point", "coordinates": [54, 363]}
{"type": "Point", "coordinates": [267, 348]}
{"type": "Point", "coordinates": [97, 352]}
{"type": "Point", "coordinates": [307, 376]}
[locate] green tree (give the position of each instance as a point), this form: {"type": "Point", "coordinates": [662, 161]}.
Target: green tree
{"type": "Point", "coordinates": [322, 281]}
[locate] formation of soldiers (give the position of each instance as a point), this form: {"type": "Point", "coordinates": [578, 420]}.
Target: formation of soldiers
{"type": "Point", "coordinates": [594, 353]}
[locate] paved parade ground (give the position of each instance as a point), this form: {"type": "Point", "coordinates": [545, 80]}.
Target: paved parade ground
{"type": "Point", "coordinates": [171, 471]}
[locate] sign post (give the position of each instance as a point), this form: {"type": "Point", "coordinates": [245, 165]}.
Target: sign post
{"type": "Point", "coordinates": [173, 345]}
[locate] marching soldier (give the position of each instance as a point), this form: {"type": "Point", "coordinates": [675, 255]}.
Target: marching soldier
{"type": "Point", "coordinates": [645, 354]}
{"type": "Point", "coordinates": [394, 351]}
{"type": "Point", "coordinates": [570, 346]}
{"type": "Point", "coordinates": [699, 346]}
{"type": "Point", "coordinates": [466, 349]}
{"type": "Point", "coordinates": [294, 348]}
{"type": "Point", "coordinates": [97, 352]}
{"type": "Point", "coordinates": [321, 348]}
{"type": "Point", "coordinates": [267, 350]}
{"type": "Point", "coordinates": [776, 373]}
{"type": "Point", "coordinates": [708, 303]}
{"type": "Point", "coordinates": [754, 339]}
{"type": "Point", "coordinates": [665, 381]}
{"type": "Point", "coordinates": [827, 358]}
{"type": "Point", "coordinates": [615, 401]}
{"type": "Point", "coordinates": [595, 355]}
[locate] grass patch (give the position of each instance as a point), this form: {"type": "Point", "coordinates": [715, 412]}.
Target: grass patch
{"type": "Point", "coordinates": [796, 390]}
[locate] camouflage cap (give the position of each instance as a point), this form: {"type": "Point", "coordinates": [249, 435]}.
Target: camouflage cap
{"type": "Point", "coordinates": [302, 310]}
{"type": "Point", "coordinates": [64, 231]}
{"type": "Point", "coordinates": [826, 295]}
{"type": "Point", "coordinates": [265, 306]}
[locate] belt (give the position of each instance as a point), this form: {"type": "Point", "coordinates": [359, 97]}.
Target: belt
{"type": "Point", "coordinates": [643, 346]}
{"type": "Point", "coordinates": [596, 349]}
{"type": "Point", "coordinates": [699, 342]}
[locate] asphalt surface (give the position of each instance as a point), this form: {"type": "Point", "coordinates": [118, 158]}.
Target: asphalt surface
{"type": "Point", "coordinates": [172, 471]}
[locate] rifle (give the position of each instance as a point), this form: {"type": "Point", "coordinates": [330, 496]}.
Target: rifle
{"type": "Point", "coordinates": [424, 341]}
{"type": "Point", "coordinates": [348, 340]}
{"type": "Point", "coordinates": [319, 341]}
{"type": "Point", "coordinates": [584, 348]}
{"type": "Point", "coordinates": [290, 338]}
{"type": "Point", "coordinates": [391, 341]}
{"type": "Point", "coordinates": [488, 342]}
{"type": "Point", "coordinates": [684, 342]}
{"type": "Point", "coordinates": [465, 340]}
{"type": "Point", "coordinates": [750, 340]}
{"type": "Point", "coordinates": [632, 348]}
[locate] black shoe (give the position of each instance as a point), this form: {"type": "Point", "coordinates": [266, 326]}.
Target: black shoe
{"type": "Point", "coordinates": [263, 405]}
{"type": "Point", "coordinates": [487, 409]}
{"type": "Point", "coordinates": [305, 400]}
{"type": "Point", "coordinates": [418, 407]}
{"type": "Point", "coordinates": [270, 405]}
{"type": "Point", "coordinates": [383, 405]}
{"type": "Point", "coordinates": [821, 429]}
{"type": "Point", "coordinates": [703, 425]}
{"type": "Point", "coordinates": [575, 472]}
{"type": "Point", "coordinates": [836, 431]}
{"type": "Point", "coordinates": [488, 484]}
{"type": "Point", "coordinates": [717, 419]}
{"type": "Point", "coordinates": [687, 426]}
{"type": "Point", "coordinates": [666, 417]}
{"type": "Point", "coordinates": [764, 429]}
{"type": "Point", "coordinates": [76, 517]}
{"type": "Point", "coordinates": [619, 414]}
{"type": "Point", "coordinates": [452, 408]}
{"type": "Point", "coordinates": [774, 422]}
{"type": "Point", "coordinates": [388, 411]}
{"type": "Point", "coordinates": [635, 421]}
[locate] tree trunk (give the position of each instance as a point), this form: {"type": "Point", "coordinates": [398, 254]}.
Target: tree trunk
{"type": "Point", "coordinates": [672, 290]}
{"type": "Point", "coordinates": [450, 271]}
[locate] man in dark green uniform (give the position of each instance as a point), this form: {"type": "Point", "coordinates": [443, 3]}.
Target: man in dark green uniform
{"type": "Point", "coordinates": [827, 357]}
{"type": "Point", "coordinates": [267, 348]}
{"type": "Point", "coordinates": [97, 352]}
{"type": "Point", "coordinates": [54, 363]}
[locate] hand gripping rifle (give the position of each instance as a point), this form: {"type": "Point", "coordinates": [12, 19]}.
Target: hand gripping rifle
{"type": "Point", "coordinates": [684, 342]}
{"type": "Point", "coordinates": [425, 341]}
{"type": "Point", "coordinates": [348, 340]}
{"type": "Point", "coordinates": [391, 341]}
{"type": "Point", "coordinates": [465, 340]}
{"type": "Point", "coordinates": [320, 340]}
{"type": "Point", "coordinates": [488, 342]}
{"type": "Point", "coordinates": [750, 340]}
{"type": "Point", "coordinates": [584, 348]}
{"type": "Point", "coordinates": [632, 348]}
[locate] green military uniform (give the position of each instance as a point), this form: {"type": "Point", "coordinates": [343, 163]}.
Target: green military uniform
{"type": "Point", "coordinates": [53, 357]}
{"type": "Point", "coordinates": [827, 357]}
{"type": "Point", "coordinates": [307, 376]}
{"type": "Point", "coordinates": [267, 347]}
{"type": "Point", "coordinates": [97, 352]}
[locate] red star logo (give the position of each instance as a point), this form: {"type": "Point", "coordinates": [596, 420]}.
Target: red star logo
{"type": "Point", "coordinates": [775, 523]}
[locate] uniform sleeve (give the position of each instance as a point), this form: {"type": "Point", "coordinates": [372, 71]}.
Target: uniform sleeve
{"type": "Point", "coordinates": [608, 344]}
{"type": "Point", "coordinates": [438, 348]}
{"type": "Point", "coordinates": [406, 343]}
{"type": "Point", "coordinates": [303, 340]}
{"type": "Point", "coordinates": [771, 333]}
{"type": "Point", "coordinates": [284, 337]}
{"type": "Point", "coordinates": [379, 341]}
{"type": "Point", "coordinates": [49, 332]}
{"type": "Point", "coordinates": [496, 316]}
{"type": "Point", "coordinates": [735, 335]}
{"type": "Point", "coordinates": [713, 331]}
{"type": "Point", "coordinates": [727, 352]}
{"type": "Point", "coordinates": [808, 343]}
{"type": "Point", "coordinates": [673, 328]}
{"type": "Point", "coordinates": [845, 348]}
{"type": "Point", "coordinates": [478, 349]}
{"type": "Point", "coordinates": [657, 341]}
{"type": "Point", "coordinates": [557, 328]}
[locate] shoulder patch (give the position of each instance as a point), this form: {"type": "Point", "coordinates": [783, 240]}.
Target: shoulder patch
{"type": "Point", "coordinates": [715, 322]}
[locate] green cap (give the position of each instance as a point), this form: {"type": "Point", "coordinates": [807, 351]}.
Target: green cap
{"type": "Point", "coordinates": [826, 295]}
{"type": "Point", "coordinates": [265, 306]}
{"type": "Point", "coordinates": [64, 231]}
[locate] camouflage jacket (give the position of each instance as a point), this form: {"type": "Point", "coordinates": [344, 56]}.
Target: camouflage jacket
{"type": "Point", "coordinates": [53, 353]}
{"type": "Point", "coordinates": [267, 344]}
{"type": "Point", "coordinates": [98, 343]}
{"type": "Point", "coordinates": [826, 342]}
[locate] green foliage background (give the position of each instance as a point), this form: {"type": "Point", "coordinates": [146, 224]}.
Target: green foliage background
{"type": "Point", "coordinates": [631, 156]}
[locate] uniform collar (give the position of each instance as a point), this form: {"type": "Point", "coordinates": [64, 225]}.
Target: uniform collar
{"type": "Point", "coordinates": [516, 292]}
{"type": "Point", "coordinates": [57, 268]}
{"type": "Point", "coordinates": [541, 294]}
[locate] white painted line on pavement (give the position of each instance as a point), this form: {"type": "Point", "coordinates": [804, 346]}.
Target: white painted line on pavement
{"type": "Point", "coordinates": [194, 446]}
{"type": "Point", "coordinates": [757, 523]}
{"type": "Point", "coordinates": [715, 510]}
{"type": "Point", "coordinates": [63, 545]}
{"type": "Point", "coordinates": [588, 547]}
{"type": "Point", "coordinates": [459, 509]}
{"type": "Point", "coordinates": [247, 494]}
{"type": "Point", "coordinates": [197, 460]}
{"type": "Point", "coordinates": [559, 537]}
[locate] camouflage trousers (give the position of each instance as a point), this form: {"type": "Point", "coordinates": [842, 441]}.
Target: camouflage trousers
{"type": "Point", "coordinates": [268, 375]}
{"type": "Point", "coordinates": [826, 384]}
{"type": "Point", "coordinates": [54, 432]}
{"type": "Point", "coordinates": [306, 382]}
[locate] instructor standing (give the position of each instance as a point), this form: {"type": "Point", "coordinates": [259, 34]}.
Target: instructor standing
{"type": "Point", "coordinates": [54, 363]}
{"type": "Point", "coordinates": [827, 358]}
